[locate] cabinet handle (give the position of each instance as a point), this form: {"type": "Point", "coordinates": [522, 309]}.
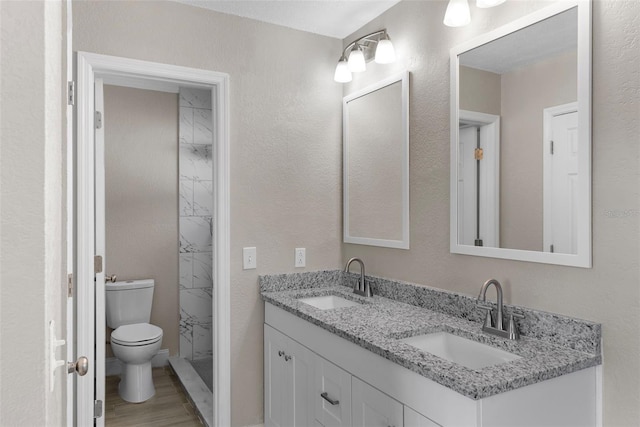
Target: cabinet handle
{"type": "Point", "coordinates": [280, 353]}
{"type": "Point", "coordinates": [326, 397]}
{"type": "Point", "coordinates": [287, 358]}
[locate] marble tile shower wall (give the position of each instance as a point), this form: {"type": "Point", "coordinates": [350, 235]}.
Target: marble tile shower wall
{"type": "Point", "coordinates": [196, 231]}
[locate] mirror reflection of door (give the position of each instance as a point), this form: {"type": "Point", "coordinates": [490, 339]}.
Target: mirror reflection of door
{"type": "Point", "coordinates": [560, 178]}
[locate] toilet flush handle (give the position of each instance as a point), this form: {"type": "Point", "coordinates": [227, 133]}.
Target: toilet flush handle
{"type": "Point", "coordinates": [111, 278]}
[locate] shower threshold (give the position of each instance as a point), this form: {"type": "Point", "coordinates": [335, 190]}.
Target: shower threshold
{"type": "Point", "coordinates": [199, 394]}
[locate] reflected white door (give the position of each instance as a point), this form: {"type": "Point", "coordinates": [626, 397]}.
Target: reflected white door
{"type": "Point", "coordinates": [561, 179]}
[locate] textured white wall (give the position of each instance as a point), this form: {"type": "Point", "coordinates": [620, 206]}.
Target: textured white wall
{"type": "Point", "coordinates": [285, 145]}
{"type": "Point", "coordinates": [31, 247]}
{"type": "Point", "coordinates": [607, 293]}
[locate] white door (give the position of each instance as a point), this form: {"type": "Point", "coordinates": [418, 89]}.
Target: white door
{"type": "Point", "coordinates": [373, 408]}
{"type": "Point", "coordinates": [561, 179]}
{"type": "Point", "coordinates": [90, 264]}
{"type": "Point", "coordinates": [100, 315]}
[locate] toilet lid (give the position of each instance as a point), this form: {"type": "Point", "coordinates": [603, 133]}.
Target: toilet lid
{"type": "Point", "coordinates": [138, 333]}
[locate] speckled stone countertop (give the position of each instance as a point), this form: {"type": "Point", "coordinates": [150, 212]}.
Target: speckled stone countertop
{"type": "Point", "coordinates": [551, 345]}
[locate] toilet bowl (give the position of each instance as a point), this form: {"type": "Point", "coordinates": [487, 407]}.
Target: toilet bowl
{"type": "Point", "coordinates": [135, 345]}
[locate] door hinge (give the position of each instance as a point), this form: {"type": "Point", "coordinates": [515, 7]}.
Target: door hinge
{"type": "Point", "coordinates": [71, 93]}
{"type": "Point", "coordinates": [551, 248]}
{"type": "Point", "coordinates": [98, 120]}
{"type": "Point", "coordinates": [478, 153]}
{"type": "Point", "coordinates": [552, 147]}
{"type": "Point", "coordinates": [69, 285]}
{"type": "Point", "coordinates": [97, 408]}
{"type": "Point", "coordinates": [97, 264]}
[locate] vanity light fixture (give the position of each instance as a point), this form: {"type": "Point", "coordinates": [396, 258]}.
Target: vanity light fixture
{"type": "Point", "coordinates": [375, 46]}
{"type": "Point", "coordinates": [458, 13]}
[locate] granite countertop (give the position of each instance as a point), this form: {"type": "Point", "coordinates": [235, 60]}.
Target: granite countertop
{"type": "Point", "coordinates": [379, 323]}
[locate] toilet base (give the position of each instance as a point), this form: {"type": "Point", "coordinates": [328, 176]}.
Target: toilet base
{"type": "Point", "coordinates": [136, 383]}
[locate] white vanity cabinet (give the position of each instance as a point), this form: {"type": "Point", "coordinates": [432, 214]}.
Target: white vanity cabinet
{"type": "Point", "coordinates": [303, 361]}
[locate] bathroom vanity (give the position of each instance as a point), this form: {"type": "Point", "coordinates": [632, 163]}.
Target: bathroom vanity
{"type": "Point", "coordinates": [361, 363]}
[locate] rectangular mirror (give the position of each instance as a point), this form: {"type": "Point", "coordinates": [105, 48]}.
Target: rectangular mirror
{"type": "Point", "coordinates": [521, 139]}
{"type": "Point", "coordinates": [376, 164]}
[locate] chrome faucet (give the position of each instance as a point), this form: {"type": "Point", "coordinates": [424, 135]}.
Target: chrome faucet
{"type": "Point", "coordinates": [361, 287]}
{"type": "Point", "coordinates": [496, 327]}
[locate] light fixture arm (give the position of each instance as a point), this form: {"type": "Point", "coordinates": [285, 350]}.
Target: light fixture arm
{"type": "Point", "coordinates": [367, 44]}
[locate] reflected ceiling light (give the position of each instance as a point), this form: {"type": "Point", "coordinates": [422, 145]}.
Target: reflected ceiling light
{"type": "Point", "coordinates": [457, 14]}
{"type": "Point", "coordinates": [488, 3]}
{"type": "Point", "coordinates": [375, 45]}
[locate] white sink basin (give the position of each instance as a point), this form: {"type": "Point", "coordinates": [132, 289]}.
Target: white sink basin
{"type": "Point", "coordinates": [462, 351]}
{"type": "Point", "coordinates": [328, 302]}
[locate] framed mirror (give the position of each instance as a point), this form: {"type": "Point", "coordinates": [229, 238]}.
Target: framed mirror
{"type": "Point", "coordinates": [375, 126]}
{"type": "Point", "coordinates": [521, 139]}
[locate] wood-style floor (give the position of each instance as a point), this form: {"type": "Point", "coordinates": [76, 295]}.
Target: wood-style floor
{"type": "Point", "coordinates": [169, 407]}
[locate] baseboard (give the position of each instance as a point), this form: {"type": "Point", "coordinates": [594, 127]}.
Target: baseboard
{"type": "Point", "coordinates": [113, 366]}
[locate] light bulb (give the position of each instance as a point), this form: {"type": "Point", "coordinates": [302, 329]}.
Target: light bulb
{"type": "Point", "coordinates": [385, 54]}
{"type": "Point", "coordinates": [457, 14]}
{"type": "Point", "coordinates": [488, 3]}
{"type": "Point", "coordinates": [356, 60]}
{"type": "Point", "coordinates": [342, 75]}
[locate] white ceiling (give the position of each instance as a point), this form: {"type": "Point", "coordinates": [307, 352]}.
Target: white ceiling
{"type": "Point", "coordinates": [333, 18]}
{"type": "Point", "coordinates": [543, 39]}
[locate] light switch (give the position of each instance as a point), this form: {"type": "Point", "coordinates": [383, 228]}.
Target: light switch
{"type": "Point", "coordinates": [300, 260]}
{"type": "Point", "coordinates": [249, 258]}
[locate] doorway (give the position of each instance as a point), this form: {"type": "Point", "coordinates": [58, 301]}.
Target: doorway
{"type": "Point", "coordinates": [89, 220]}
{"type": "Point", "coordinates": [479, 179]}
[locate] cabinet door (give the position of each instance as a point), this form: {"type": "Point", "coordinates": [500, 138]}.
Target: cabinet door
{"type": "Point", "coordinates": [414, 419]}
{"type": "Point", "coordinates": [278, 381]}
{"type": "Point", "coordinates": [301, 361]}
{"type": "Point", "coordinates": [332, 394]}
{"type": "Point", "coordinates": [372, 408]}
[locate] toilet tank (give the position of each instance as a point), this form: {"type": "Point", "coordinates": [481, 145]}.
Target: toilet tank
{"type": "Point", "coordinates": [129, 302]}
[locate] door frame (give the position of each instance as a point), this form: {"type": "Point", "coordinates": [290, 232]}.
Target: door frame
{"type": "Point", "coordinates": [90, 65]}
{"type": "Point", "coordinates": [490, 174]}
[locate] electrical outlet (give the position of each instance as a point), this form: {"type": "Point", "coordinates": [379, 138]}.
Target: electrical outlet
{"type": "Point", "coordinates": [301, 257]}
{"type": "Point", "coordinates": [249, 258]}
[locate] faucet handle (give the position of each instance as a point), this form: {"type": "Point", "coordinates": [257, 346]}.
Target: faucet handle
{"type": "Point", "coordinates": [488, 319]}
{"type": "Point", "coordinates": [512, 329]}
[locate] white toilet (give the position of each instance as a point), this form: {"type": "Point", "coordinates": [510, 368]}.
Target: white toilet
{"type": "Point", "coordinates": [134, 341]}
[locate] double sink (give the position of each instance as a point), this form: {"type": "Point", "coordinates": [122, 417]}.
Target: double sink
{"type": "Point", "coordinates": [446, 345]}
